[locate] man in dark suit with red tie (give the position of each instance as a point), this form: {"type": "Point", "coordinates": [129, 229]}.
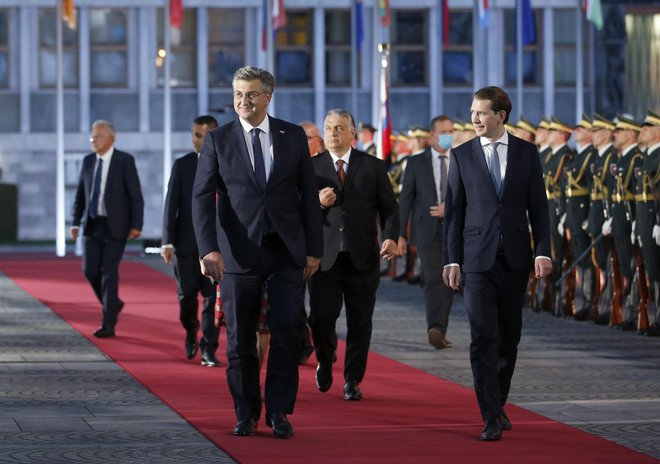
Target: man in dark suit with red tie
{"type": "Point", "coordinates": [109, 206]}
{"type": "Point", "coordinates": [496, 191]}
{"type": "Point", "coordinates": [355, 192]}
{"type": "Point", "coordinates": [266, 228]}
{"type": "Point", "coordinates": [180, 247]}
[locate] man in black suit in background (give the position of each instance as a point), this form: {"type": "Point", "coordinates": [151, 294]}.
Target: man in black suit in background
{"type": "Point", "coordinates": [495, 192]}
{"type": "Point", "coordinates": [266, 227]}
{"type": "Point", "coordinates": [109, 205]}
{"type": "Point", "coordinates": [355, 192]}
{"type": "Point", "coordinates": [180, 247]}
{"type": "Point", "coordinates": [422, 203]}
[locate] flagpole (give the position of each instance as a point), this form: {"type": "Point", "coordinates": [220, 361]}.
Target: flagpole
{"type": "Point", "coordinates": [354, 70]}
{"type": "Point", "coordinates": [167, 100]}
{"type": "Point", "coordinates": [579, 65]}
{"type": "Point", "coordinates": [60, 243]}
{"type": "Point", "coordinates": [519, 58]}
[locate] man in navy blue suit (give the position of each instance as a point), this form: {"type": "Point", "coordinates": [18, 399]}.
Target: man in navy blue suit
{"type": "Point", "coordinates": [268, 230]}
{"type": "Point", "coordinates": [495, 193]}
{"type": "Point", "coordinates": [109, 205]}
{"type": "Point", "coordinates": [180, 247]}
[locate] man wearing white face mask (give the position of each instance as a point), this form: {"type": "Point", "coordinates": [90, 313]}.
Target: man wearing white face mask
{"type": "Point", "coordinates": [422, 203]}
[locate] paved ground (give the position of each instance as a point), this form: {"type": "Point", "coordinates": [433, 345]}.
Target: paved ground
{"type": "Point", "coordinates": [63, 401]}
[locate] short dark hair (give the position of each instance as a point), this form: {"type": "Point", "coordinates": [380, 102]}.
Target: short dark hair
{"type": "Point", "coordinates": [341, 113]}
{"type": "Point", "coordinates": [442, 117]}
{"type": "Point", "coordinates": [206, 120]}
{"type": "Point", "coordinates": [250, 73]}
{"type": "Point", "coordinates": [498, 98]}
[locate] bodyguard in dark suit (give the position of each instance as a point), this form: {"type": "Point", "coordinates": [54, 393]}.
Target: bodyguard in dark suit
{"type": "Point", "coordinates": [109, 206]}
{"type": "Point", "coordinates": [266, 228]}
{"type": "Point", "coordinates": [422, 204]}
{"type": "Point", "coordinates": [180, 247]}
{"type": "Point", "coordinates": [355, 192]}
{"type": "Point", "coordinates": [495, 187]}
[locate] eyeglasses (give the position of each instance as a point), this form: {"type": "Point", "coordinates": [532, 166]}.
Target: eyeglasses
{"type": "Point", "coordinates": [249, 95]}
{"type": "Point", "coordinates": [94, 138]}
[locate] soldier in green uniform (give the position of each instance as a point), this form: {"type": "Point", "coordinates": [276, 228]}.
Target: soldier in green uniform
{"type": "Point", "coordinates": [555, 166]}
{"type": "Point", "coordinates": [574, 220]}
{"type": "Point", "coordinates": [621, 186]}
{"type": "Point", "coordinates": [647, 209]}
{"type": "Point", "coordinates": [603, 135]}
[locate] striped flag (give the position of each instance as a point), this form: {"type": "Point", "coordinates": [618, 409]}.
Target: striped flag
{"type": "Point", "coordinates": [176, 20]}
{"type": "Point", "coordinates": [482, 7]}
{"type": "Point", "coordinates": [594, 13]}
{"type": "Point", "coordinates": [384, 121]}
{"type": "Point", "coordinates": [384, 8]}
{"type": "Point", "coordinates": [445, 22]}
{"type": "Point", "coordinates": [264, 25]}
{"type": "Point", "coordinates": [69, 13]}
{"type": "Point", "coordinates": [279, 15]}
{"type": "Point", "coordinates": [528, 27]}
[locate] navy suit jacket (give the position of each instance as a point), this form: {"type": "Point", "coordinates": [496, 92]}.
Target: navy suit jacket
{"type": "Point", "coordinates": [290, 200]}
{"type": "Point", "coordinates": [177, 218]}
{"type": "Point", "coordinates": [418, 194]}
{"type": "Point", "coordinates": [475, 216]}
{"type": "Point", "coordinates": [123, 196]}
{"type": "Point", "coordinates": [366, 196]}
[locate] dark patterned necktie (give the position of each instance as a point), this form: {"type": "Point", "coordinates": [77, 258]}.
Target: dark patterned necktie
{"type": "Point", "coordinates": [96, 190]}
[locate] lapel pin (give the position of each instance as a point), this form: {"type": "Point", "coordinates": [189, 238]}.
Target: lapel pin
{"type": "Point", "coordinates": [281, 132]}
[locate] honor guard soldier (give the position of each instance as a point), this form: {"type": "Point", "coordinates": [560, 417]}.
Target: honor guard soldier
{"type": "Point", "coordinates": [599, 210]}
{"type": "Point", "coordinates": [366, 138]}
{"type": "Point", "coordinates": [555, 164]}
{"type": "Point", "coordinates": [621, 186]}
{"type": "Point", "coordinates": [541, 139]}
{"type": "Point", "coordinates": [525, 130]}
{"type": "Point", "coordinates": [647, 209]}
{"type": "Point", "coordinates": [574, 220]}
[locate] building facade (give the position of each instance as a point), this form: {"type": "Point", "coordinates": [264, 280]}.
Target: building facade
{"type": "Point", "coordinates": [112, 70]}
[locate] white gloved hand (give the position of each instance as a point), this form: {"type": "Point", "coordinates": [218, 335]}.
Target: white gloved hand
{"type": "Point", "coordinates": [632, 234]}
{"type": "Point", "coordinates": [560, 226]}
{"type": "Point", "coordinates": [607, 227]}
{"type": "Point", "coordinates": [656, 234]}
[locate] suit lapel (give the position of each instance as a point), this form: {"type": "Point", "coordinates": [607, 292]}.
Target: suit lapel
{"type": "Point", "coordinates": [510, 160]}
{"type": "Point", "coordinates": [277, 137]}
{"type": "Point", "coordinates": [480, 161]}
{"type": "Point", "coordinates": [353, 166]}
{"type": "Point", "coordinates": [428, 172]}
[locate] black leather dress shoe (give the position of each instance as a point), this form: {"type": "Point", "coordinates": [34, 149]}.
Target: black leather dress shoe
{"type": "Point", "coordinates": [505, 421]}
{"type": "Point", "coordinates": [280, 425]}
{"type": "Point", "coordinates": [103, 332]}
{"type": "Point", "coordinates": [352, 391]}
{"type": "Point", "coordinates": [245, 427]}
{"type": "Point", "coordinates": [209, 360]}
{"type": "Point", "coordinates": [492, 430]}
{"type": "Point", "coordinates": [191, 345]}
{"type": "Point", "coordinates": [324, 377]}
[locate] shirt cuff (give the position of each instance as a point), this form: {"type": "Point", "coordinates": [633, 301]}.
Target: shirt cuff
{"type": "Point", "coordinates": [452, 265]}
{"type": "Point", "coordinates": [543, 257]}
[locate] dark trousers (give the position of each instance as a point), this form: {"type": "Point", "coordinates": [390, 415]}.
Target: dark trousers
{"type": "Point", "coordinates": [437, 296]}
{"type": "Point", "coordinates": [328, 290]}
{"type": "Point", "coordinates": [101, 256]}
{"type": "Point", "coordinates": [189, 282]}
{"type": "Point", "coordinates": [241, 295]}
{"type": "Point", "coordinates": [494, 301]}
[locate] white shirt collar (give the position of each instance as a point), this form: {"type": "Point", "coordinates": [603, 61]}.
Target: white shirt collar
{"type": "Point", "coordinates": [653, 148]}
{"type": "Point", "coordinates": [602, 150]}
{"type": "Point", "coordinates": [107, 155]}
{"type": "Point", "coordinates": [555, 150]}
{"type": "Point", "coordinates": [344, 158]}
{"type": "Point", "coordinates": [264, 126]}
{"type": "Point", "coordinates": [504, 140]}
{"type": "Point", "coordinates": [628, 149]}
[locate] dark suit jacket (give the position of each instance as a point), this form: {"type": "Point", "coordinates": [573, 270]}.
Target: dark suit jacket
{"type": "Point", "coordinates": [417, 196]}
{"type": "Point", "coordinates": [367, 195]}
{"type": "Point", "coordinates": [475, 216]}
{"type": "Point", "coordinates": [123, 197]}
{"type": "Point", "coordinates": [291, 198]}
{"type": "Point", "coordinates": [177, 218]}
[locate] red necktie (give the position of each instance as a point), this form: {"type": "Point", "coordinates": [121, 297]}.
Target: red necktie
{"type": "Point", "coordinates": [341, 175]}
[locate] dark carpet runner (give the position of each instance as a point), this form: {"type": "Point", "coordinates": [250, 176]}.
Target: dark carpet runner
{"type": "Point", "coordinates": [407, 416]}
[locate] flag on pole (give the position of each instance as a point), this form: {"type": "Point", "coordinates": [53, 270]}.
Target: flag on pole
{"type": "Point", "coordinates": [279, 15]}
{"type": "Point", "coordinates": [384, 8]}
{"type": "Point", "coordinates": [359, 26]}
{"type": "Point", "coordinates": [594, 13]}
{"type": "Point", "coordinates": [264, 25]}
{"type": "Point", "coordinates": [445, 22]}
{"type": "Point", "coordinates": [69, 13]}
{"type": "Point", "coordinates": [482, 7]}
{"type": "Point", "coordinates": [528, 26]}
{"type": "Point", "coordinates": [176, 20]}
{"type": "Point", "coordinates": [384, 122]}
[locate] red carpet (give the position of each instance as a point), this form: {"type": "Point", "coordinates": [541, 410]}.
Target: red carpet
{"type": "Point", "coordinates": [408, 416]}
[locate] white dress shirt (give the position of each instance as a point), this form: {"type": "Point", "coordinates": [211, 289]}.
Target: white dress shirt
{"type": "Point", "coordinates": [266, 139]}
